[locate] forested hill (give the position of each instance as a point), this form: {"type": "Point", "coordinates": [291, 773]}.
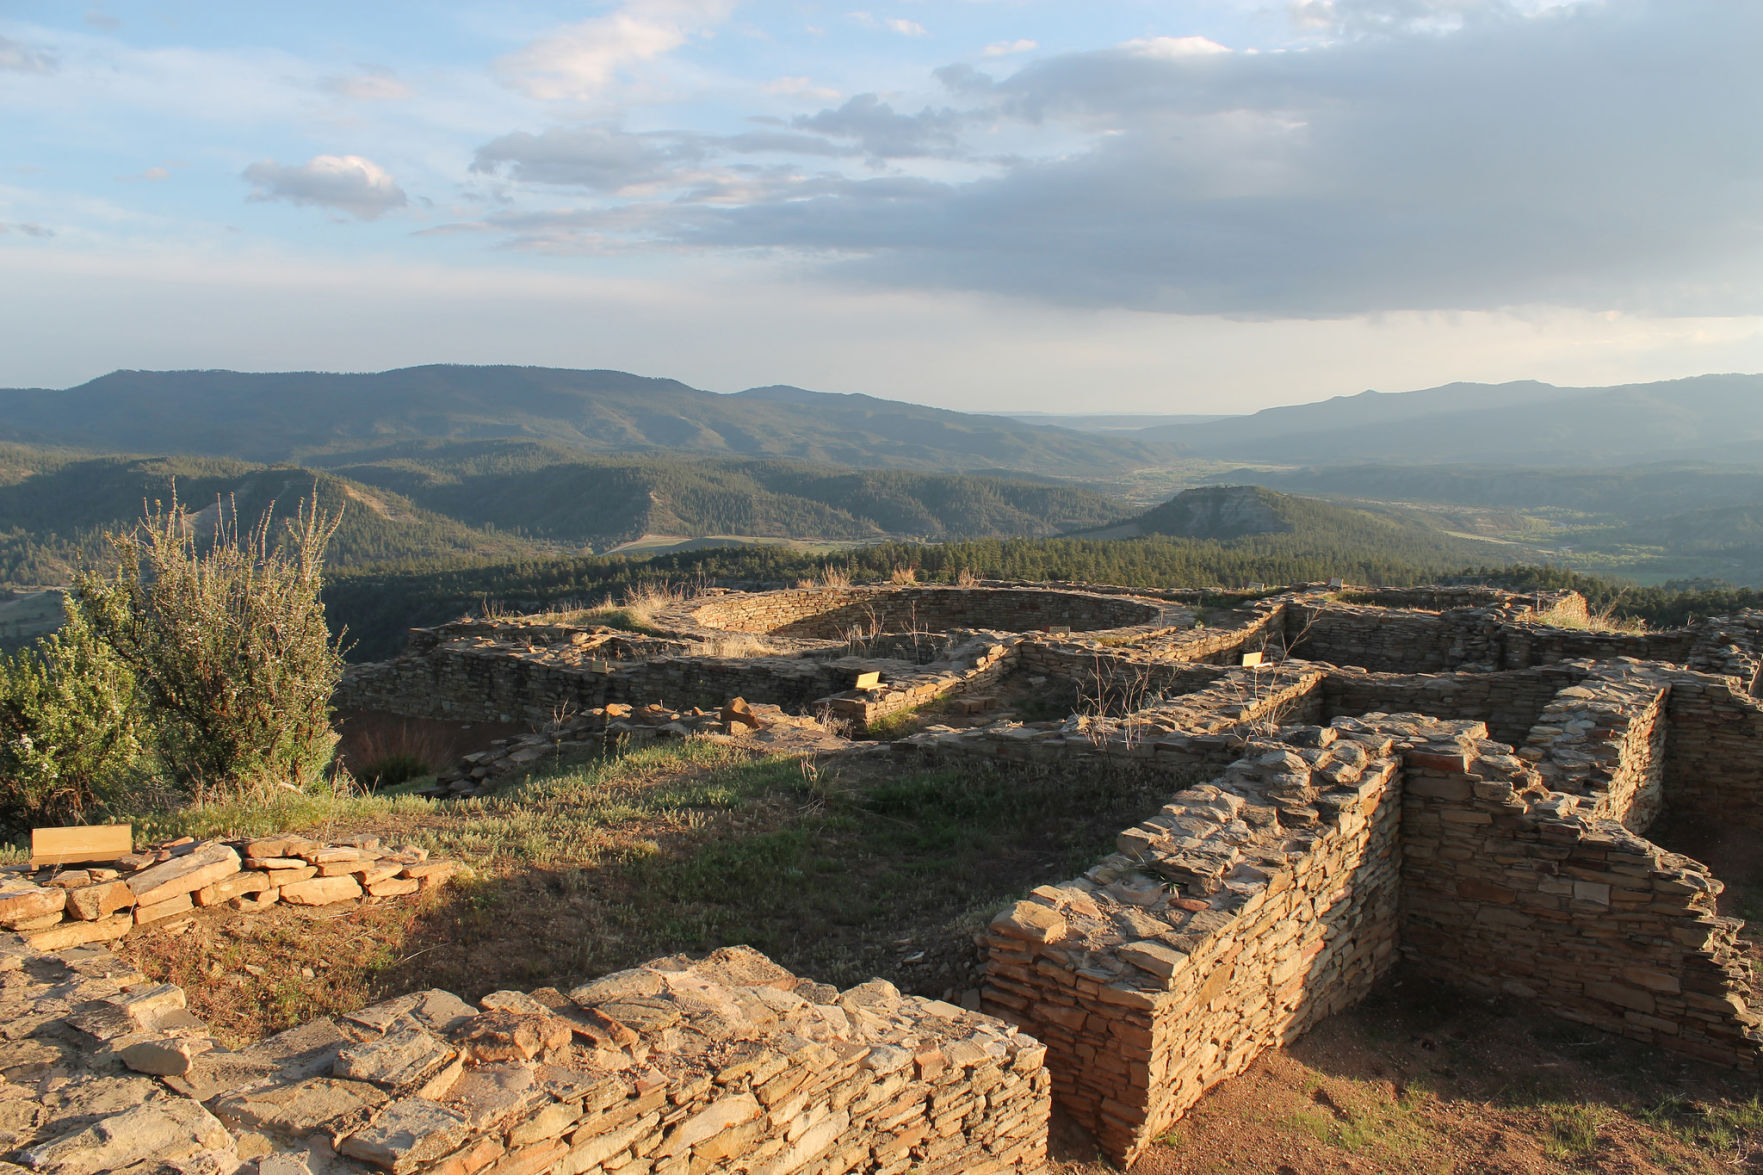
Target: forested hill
{"type": "Point", "coordinates": [1703, 418]}
{"type": "Point", "coordinates": [500, 501]}
{"type": "Point", "coordinates": [1225, 513]}
{"type": "Point", "coordinates": [300, 416]}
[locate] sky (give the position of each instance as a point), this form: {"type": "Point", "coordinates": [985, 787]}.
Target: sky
{"type": "Point", "coordinates": [989, 205]}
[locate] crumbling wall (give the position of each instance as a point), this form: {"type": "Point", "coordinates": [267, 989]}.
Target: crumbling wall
{"type": "Point", "coordinates": [56, 907]}
{"type": "Point", "coordinates": [724, 1064]}
{"type": "Point", "coordinates": [1508, 887]}
{"type": "Point", "coordinates": [1241, 914]}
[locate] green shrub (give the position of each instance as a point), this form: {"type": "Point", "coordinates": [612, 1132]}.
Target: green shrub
{"type": "Point", "coordinates": [70, 728]}
{"type": "Point", "coordinates": [228, 642]}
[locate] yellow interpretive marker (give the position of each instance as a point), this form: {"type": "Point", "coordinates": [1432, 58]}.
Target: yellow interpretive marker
{"type": "Point", "coordinates": [1250, 659]}
{"type": "Point", "coordinates": [70, 846]}
{"type": "Point", "coordinates": [867, 681]}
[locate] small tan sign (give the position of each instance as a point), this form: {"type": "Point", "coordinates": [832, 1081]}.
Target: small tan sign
{"type": "Point", "coordinates": [1251, 659]}
{"type": "Point", "coordinates": [86, 844]}
{"type": "Point", "coordinates": [867, 681]}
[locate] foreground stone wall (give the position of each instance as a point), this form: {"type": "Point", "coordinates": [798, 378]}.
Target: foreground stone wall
{"type": "Point", "coordinates": [1245, 911]}
{"type": "Point", "coordinates": [680, 1066]}
{"type": "Point", "coordinates": [1604, 737]}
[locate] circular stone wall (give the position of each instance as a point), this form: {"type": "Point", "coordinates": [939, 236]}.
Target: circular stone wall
{"type": "Point", "coordinates": [837, 613]}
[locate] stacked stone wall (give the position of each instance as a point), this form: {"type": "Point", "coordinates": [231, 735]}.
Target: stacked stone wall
{"type": "Point", "coordinates": [1605, 737]}
{"type": "Point", "coordinates": [1511, 703]}
{"type": "Point", "coordinates": [1241, 914]}
{"type": "Point", "coordinates": [679, 1067]}
{"type": "Point", "coordinates": [834, 613]}
{"type": "Point", "coordinates": [1508, 887]}
{"type": "Point", "coordinates": [1713, 762]}
{"type": "Point", "coordinates": [57, 907]}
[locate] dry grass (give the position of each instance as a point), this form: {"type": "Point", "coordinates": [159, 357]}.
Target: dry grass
{"type": "Point", "coordinates": [739, 644]}
{"type": "Point", "coordinates": [1565, 615]}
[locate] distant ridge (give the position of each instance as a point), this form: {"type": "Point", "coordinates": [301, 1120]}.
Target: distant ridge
{"type": "Point", "coordinates": [1705, 418]}
{"type": "Point", "coordinates": [300, 416]}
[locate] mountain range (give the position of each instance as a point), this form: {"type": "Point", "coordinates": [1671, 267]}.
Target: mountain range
{"type": "Point", "coordinates": [302, 416]}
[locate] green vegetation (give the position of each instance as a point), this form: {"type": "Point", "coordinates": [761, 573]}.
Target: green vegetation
{"type": "Point", "coordinates": [299, 416]}
{"type": "Point", "coordinates": [228, 644]}
{"type": "Point", "coordinates": [186, 670]}
{"type": "Point", "coordinates": [70, 727]}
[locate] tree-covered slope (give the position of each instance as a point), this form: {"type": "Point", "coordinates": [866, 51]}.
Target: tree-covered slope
{"type": "Point", "coordinates": [299, 415]}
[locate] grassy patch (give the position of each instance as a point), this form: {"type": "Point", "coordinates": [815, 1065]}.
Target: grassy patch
{"type": "Point", "coordinates": [840, 872]}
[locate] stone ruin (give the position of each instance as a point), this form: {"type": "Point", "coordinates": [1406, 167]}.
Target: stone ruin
{"type": "Point", "coordinates": [1436, 776]}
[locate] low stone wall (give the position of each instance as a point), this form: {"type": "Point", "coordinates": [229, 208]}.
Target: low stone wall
{"type": "Point", "coordinates": [56, 908]}
{"type": "Point", "coordinates": [1510, 702]}
{"type": "Point", "coordinates": [1605, 738]}
{"type": "Point", "coordinates": [680, 1066]}
{"type": "Point", "coordinates": [1509, 887]}
{"type": "Point", "coordinates": [1483, 638]}
{"type": "Point", "coordinates": [1229, 923]}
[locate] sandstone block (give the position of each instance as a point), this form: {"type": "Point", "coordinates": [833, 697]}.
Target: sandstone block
{"type": "Point", "coordinates": [79, 934]}
{"type": "Point", "coordinates": [20, 901]}
{"type": "Point", "coordinates": [406, 1135]}
{"type": "Point", "coordinates": [178, 904]}
{"type": "Point", "coordinates": [238, 885]}
{"type": "Point", "coordinates": [160, 1131]}
{"type": "Point", "coordinates": [92, 902]}
{"type": "Point", "coordinates": [207, 864]}
{"type": "Point", "coordinates": [1030, 921]}
{"type": "Point", "coordinates": [393, 887]}
{"type": "Point", "coordinates": [320, 891]}
{"type": "Point", "coordinates": [431, 873]}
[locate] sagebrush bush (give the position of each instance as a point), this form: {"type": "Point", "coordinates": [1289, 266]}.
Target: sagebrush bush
{"type": "Point", "coordinates": [70, 728]}
{"type": "Point", "coordinates": [228, 642]}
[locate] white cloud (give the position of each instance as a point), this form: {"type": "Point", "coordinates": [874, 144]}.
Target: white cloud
{"type": "Point", "coordinates": [1174, 48]}
{"type": "Point", "coordinates": [1005, 48]}
{"type": "Point", "coordinates": [152, 176]}
{"type": "Point", "coordinates": [22, 58]}
{"type": "Point", "coordinates": [348, 183]}
{"type": "Point", "coordinates": [801, 87]}
{"type": "Point", "coordinates": [582, 60]}
{"type": "Point", "coordinates": [371, 86]}
{"type": "Point", "coordinates": [898, 24]}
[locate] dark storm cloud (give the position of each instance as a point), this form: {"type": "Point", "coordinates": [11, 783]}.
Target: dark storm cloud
{"type": "Point", "coordinates": [1454, 154]}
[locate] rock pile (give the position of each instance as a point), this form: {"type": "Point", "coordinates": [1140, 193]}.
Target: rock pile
{"type": "Point", "coordinates": [57, 908]}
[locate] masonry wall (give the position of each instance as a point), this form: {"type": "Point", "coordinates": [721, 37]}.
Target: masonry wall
{"type": "Point", "coordinates": [1509, 702]}
{"type": "Point", "coordinates": [1284, 910]}
{"type": "Point", "coordinates": [498, 684]}
{"type": "Point", "coordinates": [832, 613]}
{"type": "Point", "coordinates": [1420, 642]}
{"type": "Point", "coordinates": [679, 1067]}
{"type": "Point", "coordinates": [1714, 754]}
{"type": "Point", "coordinates": [1509, 888]}
{"type": "Point", "coordinates": [1605, 738]}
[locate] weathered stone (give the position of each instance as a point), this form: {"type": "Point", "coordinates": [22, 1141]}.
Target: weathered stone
{"type": "Point", "coordinates": [20, 901]}
{"type": "Point", "coordinates": [405, 1135]}
{"type": "Point", "coordinates": [320, 891]}
{"type": "Point", "coordinates": [76, 934]}
{"type": "Point", "coordinates": [92, 902]}
{"type": "Point", "coordinates": [297, 1108]}
{"type": "Point", "coordinates": [166, 1130]}
{"type": "Point", "coordinates": [184, 875]}
{"type": "Point", "coordinates": [226, 889]}
{"type": "Point", "coordinates": [402, 1057]}
{"type": "Point", "coordinates": [169, 908]}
